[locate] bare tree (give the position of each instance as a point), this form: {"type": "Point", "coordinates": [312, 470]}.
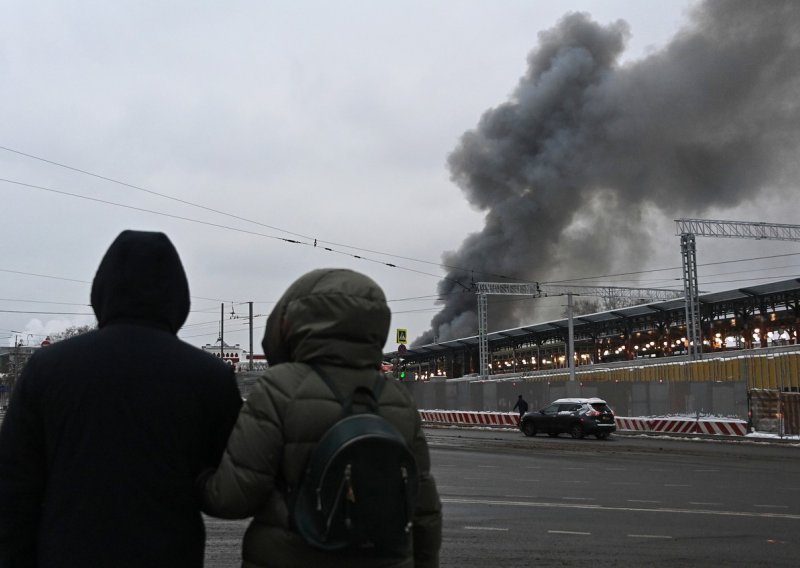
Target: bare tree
{"type": "Point", "coordinates": [72, 331]}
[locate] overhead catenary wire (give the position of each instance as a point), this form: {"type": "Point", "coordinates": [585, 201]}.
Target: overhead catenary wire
{"type": "Point", "coordinates": [312, 241]}
{"type": "Point", "coordinates": [221, 226]}
{"type": "Point", "coordinates": [316, 240]}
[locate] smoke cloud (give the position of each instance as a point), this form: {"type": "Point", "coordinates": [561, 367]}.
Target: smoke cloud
{"type": "Point", "coordinates": [568, 167]}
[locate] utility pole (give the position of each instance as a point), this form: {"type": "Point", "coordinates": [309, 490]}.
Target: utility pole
{"type": "Point", "coordinates": [571, 335]}
{"type": "Point", "coordinates": [221, 331]}
{"type": "Point", "coordinates": [250, 321]}
{"type": "Point", "coordinates": [250, 366]}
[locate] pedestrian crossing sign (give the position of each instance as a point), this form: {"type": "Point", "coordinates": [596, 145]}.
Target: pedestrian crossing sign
{"type": "Point", "coordinates": [402, 336]}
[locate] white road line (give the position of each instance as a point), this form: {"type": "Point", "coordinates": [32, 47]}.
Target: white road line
{"type": "Point", "coordinates": [649, 536]}
{"type": "Point", "coordinates": [772, 506]}
{"type": "Point", "coordinates": [573, 481]}
{"type": "Point", "coordinates": [641, 501]}
{"type": "Point", "coordinates": [704, 503]}
{"type": "Point", "coordinates": [570, 532]}
{"type": "Point", "coordinates": [579, 498]}
{"type": "Point", "coordinates": [533, 467]}
{"type": "Point", "coordinates": [575, 468]}
{"type": "Point", "coordinates": [485, 529]}
{"type": "Point", "coordinates": [672, 510]}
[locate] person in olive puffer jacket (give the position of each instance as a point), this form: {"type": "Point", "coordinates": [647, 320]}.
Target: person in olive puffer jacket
{"type": "Point", "coordinates": [339, 320]}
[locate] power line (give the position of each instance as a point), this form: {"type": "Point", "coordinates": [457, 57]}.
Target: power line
{"type": "Point", "coordinates": [316, 240]}
{"type": "Point", "coordinates": [44, 276]}
{"type": "Point", "coordinates": [220, 226]}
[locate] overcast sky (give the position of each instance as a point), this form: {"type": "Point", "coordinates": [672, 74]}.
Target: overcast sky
{"type": "Point", "coordinates": [263, 121]}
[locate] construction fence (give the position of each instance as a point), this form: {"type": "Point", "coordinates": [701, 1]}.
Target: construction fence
{"type": "Point", "coordinates": [761, 389]}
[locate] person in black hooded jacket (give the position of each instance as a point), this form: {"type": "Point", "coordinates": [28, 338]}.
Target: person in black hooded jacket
{"type": "Point", "coordinates": [106, 432]}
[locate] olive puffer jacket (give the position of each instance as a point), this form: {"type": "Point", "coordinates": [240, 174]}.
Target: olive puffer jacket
{"type": "Point", "coordinates": [339, 320]}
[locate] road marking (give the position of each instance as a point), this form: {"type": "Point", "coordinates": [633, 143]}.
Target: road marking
{"type": "Point", "coordinates": [649, 536]}
{"type": "Point", "coordinates": [676, 511]}
{"type": "Point", "coordinates": [641, 501]}
{"type": "Point", "coordinates": [772, 506]}
{"type": "Point", "coordinates": [570, 532]}
{"type": "Point", "coordinates": [576, 468]}
{"type": "Point", "coordinates": [704, 503]}
{"type": "Point", "coordinates": [487, 466]}
{"type": "Point", "coordinates": [485, 529]}
{"type": "Point", "coordinates": [533, 467]}
{"type": "Point", "coordinates": [580, 498]}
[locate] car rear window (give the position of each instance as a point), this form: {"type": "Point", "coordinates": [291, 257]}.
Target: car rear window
{"type": "Point", "coordinates": [601, 407]}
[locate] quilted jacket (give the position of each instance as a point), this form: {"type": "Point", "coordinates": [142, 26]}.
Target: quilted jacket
{"type": "Point", "coordinates": [339, 320]}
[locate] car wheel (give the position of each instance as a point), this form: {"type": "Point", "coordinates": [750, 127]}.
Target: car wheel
{"type": "Point", "coordinates": [528, 429]}
{"type": "Point", "coordinates": [576, 431]}
{"type": "Point", "coordinates": [601, 435]}
{"type": "Point", "coordinates": [553, 434]}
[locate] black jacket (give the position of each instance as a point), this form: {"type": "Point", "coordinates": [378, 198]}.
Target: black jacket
{"type": "Point", "coordinates": [106, 432]}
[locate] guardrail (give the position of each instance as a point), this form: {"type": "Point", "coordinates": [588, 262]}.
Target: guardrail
{"type": "Point", "coordinates": [710, 426]}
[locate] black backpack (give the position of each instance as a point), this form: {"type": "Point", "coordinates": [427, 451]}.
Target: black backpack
{"type": "Point", "coordinates": [361, 481]}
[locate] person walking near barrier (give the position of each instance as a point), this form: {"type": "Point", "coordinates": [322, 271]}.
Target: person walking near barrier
{"type": "Point", "coordinates": [522, 405]}
{"type": "Point", "coordinates": [325, 335]}
{"type": "Point", "coordinates": [107, 432]}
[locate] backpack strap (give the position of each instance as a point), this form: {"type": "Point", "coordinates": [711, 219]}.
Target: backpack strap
{"type": "Point", "coordinates": [361, 396]}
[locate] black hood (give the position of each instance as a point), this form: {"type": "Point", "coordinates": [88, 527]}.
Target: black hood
{"type": "Point", "coordinates": [141, 278]}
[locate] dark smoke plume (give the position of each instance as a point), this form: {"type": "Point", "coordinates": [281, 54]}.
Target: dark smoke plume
{"type": "Point", "coordinates": [585, 146]}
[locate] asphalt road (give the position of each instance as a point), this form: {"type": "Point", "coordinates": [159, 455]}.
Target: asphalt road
{"type": "Point", "coordinates": [629, 501]}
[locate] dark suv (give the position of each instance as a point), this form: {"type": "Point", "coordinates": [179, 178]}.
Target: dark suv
{"type": "Point", "coordinates": [577, 416]}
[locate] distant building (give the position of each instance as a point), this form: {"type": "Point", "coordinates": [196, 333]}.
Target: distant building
{"type": "Point", "coordinates": [236, 356]}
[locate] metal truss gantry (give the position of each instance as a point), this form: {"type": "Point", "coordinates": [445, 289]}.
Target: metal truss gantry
{"type": "Point", "coordinates": [687, 229]}
{"type": "Point", "coordinates": [537, 290]}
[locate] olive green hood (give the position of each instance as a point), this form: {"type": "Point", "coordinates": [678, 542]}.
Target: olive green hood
{"type": "Point", "coordinates": [329, 317]}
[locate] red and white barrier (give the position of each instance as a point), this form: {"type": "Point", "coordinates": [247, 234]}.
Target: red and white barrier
{"type": "Point", "coordinates": [673, 425]}
{"type": "Point", "coordinates": [716, 427]}
{"type": "Point", "coordinates": [722, 428]}
{"type": "Point", "coordinates": [458, 417]}
{"type": "Point", "coordinates": [634, 424]}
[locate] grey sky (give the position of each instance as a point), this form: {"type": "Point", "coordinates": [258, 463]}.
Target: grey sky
{"type": "Point", "coordinates": [330, 120]}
